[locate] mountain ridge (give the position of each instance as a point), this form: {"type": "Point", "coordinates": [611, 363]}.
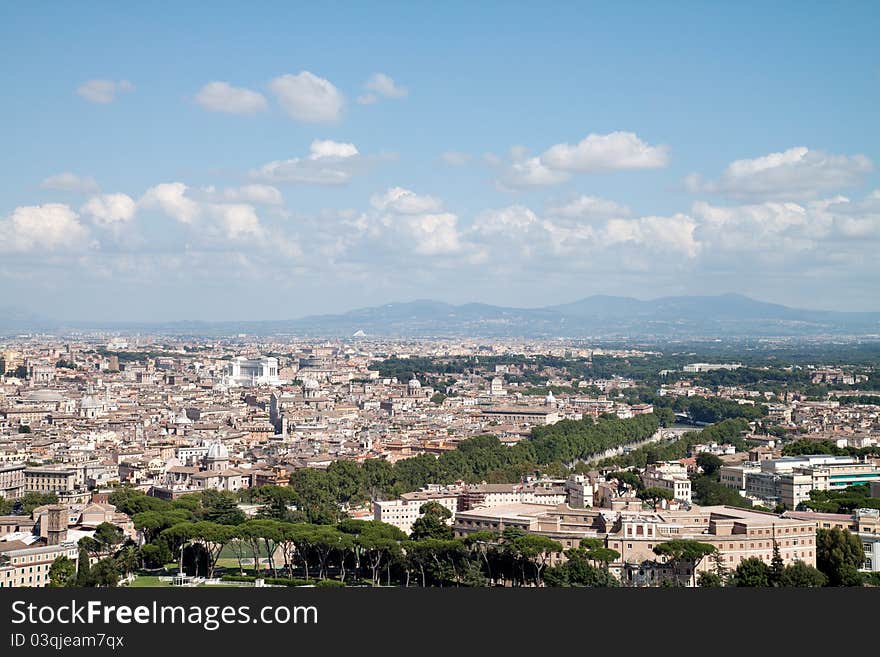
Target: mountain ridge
{"type": "Point", "coordinates": [593, 316]}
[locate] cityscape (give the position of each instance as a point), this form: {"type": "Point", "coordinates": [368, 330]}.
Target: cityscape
{"type": "Point", "coordinates": [157, 461]}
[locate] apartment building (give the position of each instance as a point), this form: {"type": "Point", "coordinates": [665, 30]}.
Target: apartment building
{"type": "Point", "coordinates": [670, 476]}
{"type": "Point", "coordinates": [12, 480]}
{"type": "Point", "coordinates": [789, 480]}
{"type": "Point", "coordinates": [50, 479]}
{"type": "Point", "coordinates": [403, 512]}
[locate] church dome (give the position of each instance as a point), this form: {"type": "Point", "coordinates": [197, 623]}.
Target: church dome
{"type": "Point", "coordinates": [218, 452]}
{"type": "Point", "coordinates": [414, 384]}
{"type": "Point", "coordinates": [310, 384]}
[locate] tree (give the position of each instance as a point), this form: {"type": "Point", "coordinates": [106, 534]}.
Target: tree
{"type": "Point", "coordinates": [220, 507]}
{"type": "Point", "coordinates": [655, 494]}
{"type": "Point", "coordinates": [83, 568]}
{"type": "Point", "coordinates": [30, 501]}
{"type": "Point", "coordinates": [90, 545]}
{"type": "Point", "coordinates": [432, 523]}
{"type": "Point", "coordinates": [62, 573]}
{"type": "Point", "coordinates": [104, 573]}
{"type": "Point", "coordinates": [709, 463]}
{"type": "Point", "coordinates": [536, 549]}
{"type": "Point", "coordinates": [685, 551]}
{"type": "Point", "coordinates": [801, 575]}
{"type": "Point", "coordinates": [710, 580]}
{"type": "Point", "coordinates": [108, 536]}
{"type": "Point", "coordinates": [666, 416]}
{"type": "Point", "coordinates": [839, 555]}
{"type": "Point", "coordinates": [753, 573]}
{"type": "Point", "coordinates": [777, 566]}
{"type": "Point", "coordinates": [213, 537]}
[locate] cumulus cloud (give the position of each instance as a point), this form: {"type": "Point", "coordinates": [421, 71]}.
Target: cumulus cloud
{"type": "Point", "coordinates": [434, 234]}
{"type": "Point", "coordinates": [611, 152]}
{"type": "Point", "coordinates": [50, 227]}
{"type": "Point", "coordinates": [524, 172]}
{"type": "Point", "coordinates": [171, 199]}
{"type": "Point", "coordinates": [328, 163]}
{"type": "Point", "coordinates": [381, 85]}
{"type": "Point", "coordinates": [236, 221]}
{"type": "Point", "coordinates": [540, 240]}
{"type": "Point", "coordinates": [70, 182]}
{"type": "Point", "coordinates": [673, 234]}
{"type": "Point", "coordinates": [307, 97]}
{"type": "Point", "coordinates": [401, 223]}
{"type": "Point", "coordinates": [404, 201]}
{"type": "Point", "coordinates": [223, 97]}
{"type": "Point", "coordinates": [615, 151]}
{"type": "Point", "coordinates": [110, 210]}
{"type": "Point", "coordinates": [103, 91]}
{"type": "Point", "coordinates": [797, 173]}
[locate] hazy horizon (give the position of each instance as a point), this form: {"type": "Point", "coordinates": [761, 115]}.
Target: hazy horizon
{"type": "Point", "coordinates": [396, 302]}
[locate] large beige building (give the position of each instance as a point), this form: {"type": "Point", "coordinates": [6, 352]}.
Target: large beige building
{"type": "Point", "coordinates": [864, 523]}
{"type": "Point", "coordinates": [737, 534]}
{"type": "Point", "coordinates": [11, 480]}
{"type": "Point", "coordinates": [50, 479]}
{"type": "Point", "coordinates": [522, 415]}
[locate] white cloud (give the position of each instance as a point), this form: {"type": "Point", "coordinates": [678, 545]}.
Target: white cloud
{"type": "Point", "coordinates": [587, 207]}
{"type": "Point", "coordinates": [103, 91]}
{"type": "Point", "coordinates": [434, 234]}
{"type": "Point", "coordinates": [367, 99]}
{"type": "Point", "coordinates": [223, 97]}
{"type": "Point", "coordinates": [109, 210]}
{"type": "Point", "coordinates": [255, 193]}
{"type": "Point", "coordinates": [404, 201]}
{"type": "Point", "coordinates": [593, 154]}
{"type": "Point", "coordinates": [70, 182]}
{"type": "Point", "coordinates": [172, 200]}
{"type": "Point", "coordinates": [611, 152]}
{"type": "Point", "coordinates": [797, 173]}
{"type": "Point", "coordinates": [666, 234]}
{"type": "Point", "coordinates": [529, 172]}
{"type": "Point", "coordinates": [237, 221]}
{"type": "Point", "coordinates": [455, 158]}
{"type": "Point", "coordinates": [512, 220]}
{"type": "Point", "coordinates": [328, 163]}
{"type": "Point", "coordinates": [51, 227]}
{"type": "Point", "coordinates": [329, 149]}
{"type": "Point", "coordinates": [384, 85]}
{"type": "Point", "coordinates": [307, 97]}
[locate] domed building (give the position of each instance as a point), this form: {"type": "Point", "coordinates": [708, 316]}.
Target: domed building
{"type": "Point", "coordinates": [217, 457]}
{"type": "Point", "coordinates": [550, 400]}
{"type": "Point", "coordinates": [414, 388]}
{"type": "Point", "coordinates": [311, 389]}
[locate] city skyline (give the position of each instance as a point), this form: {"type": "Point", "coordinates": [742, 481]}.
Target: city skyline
{"type": "Point", "coordinates": [464, 154]}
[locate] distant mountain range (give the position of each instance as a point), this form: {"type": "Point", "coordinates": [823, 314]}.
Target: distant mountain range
{"type": "Point", "coordinates": [727, 315]}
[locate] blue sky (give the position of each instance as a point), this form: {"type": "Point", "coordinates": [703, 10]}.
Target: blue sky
{"type": "Point", "coordinates": [277, 160]}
